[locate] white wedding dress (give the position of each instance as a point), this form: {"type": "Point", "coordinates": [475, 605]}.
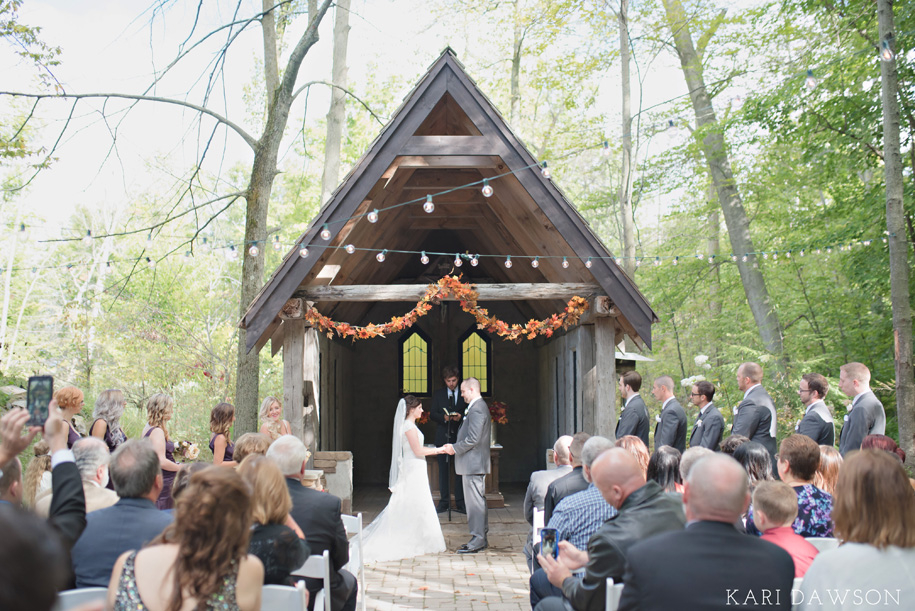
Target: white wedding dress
{"type": "Point", "coordinates": [408, 526]}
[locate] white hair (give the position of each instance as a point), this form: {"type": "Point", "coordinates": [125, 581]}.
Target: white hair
{"type": "Point", "coordinates": [288, 452]}
{"type": "Point", "coordinates": [90, 453]}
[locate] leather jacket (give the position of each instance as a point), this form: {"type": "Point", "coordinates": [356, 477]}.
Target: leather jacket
{"type": "Point", "coordinates": [646, 512]}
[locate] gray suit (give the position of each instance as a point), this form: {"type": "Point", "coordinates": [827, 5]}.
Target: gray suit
{"type": "Point", "coordinates": [536, 489]}
{"type": "Point", "coordinates": [866, 417]}
{"type": "Point", "coordinates": [756, 419]}
{"type": "Point", "coordinates": [471, 459]}
{"type": "Point", "coordinates": [817, 424]}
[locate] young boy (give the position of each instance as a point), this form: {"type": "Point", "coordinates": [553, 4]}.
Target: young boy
{"type": "Point", "coordinates": [774, 511]}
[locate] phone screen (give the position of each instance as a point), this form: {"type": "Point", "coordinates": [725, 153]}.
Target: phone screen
{"type": "Point", "coordinates": [548, 546]}
{"type": "Point", "coordinates": [40, 393]}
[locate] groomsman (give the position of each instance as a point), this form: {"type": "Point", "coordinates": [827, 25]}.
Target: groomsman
{"type": "Point", "coordinates": [634, 415]}
{"type": "Point", "coordinates": [447, 401]}
{"type": "Point", "coordinates": [709, 425]}
{"type": "Point", "coordinates": [817, 422]}
{"type": "Point", "coordinates": [865, 414]}
{"type": "Point", "coordinates": [755, 417]}
{"type": "Point", "coordinates": [671, 427]}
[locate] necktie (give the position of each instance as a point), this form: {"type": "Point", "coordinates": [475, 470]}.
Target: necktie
{"type": "Point", "coordinates": [453, 402]}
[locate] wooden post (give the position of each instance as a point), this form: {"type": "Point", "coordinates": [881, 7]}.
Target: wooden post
{"type": "Point", "coordinates": [294, 375]}
{"type": "Point", "coordinates": [605, 377]}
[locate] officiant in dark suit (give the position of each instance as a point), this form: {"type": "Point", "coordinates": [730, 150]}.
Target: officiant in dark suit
{"type": "Point", "coordinates": [447, 401]}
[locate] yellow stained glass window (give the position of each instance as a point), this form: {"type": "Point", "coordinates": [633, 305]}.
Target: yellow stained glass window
{"type": "Point", "coordinates": [415, 370]}
{"type": "Point", "coordinates": [475, 360]}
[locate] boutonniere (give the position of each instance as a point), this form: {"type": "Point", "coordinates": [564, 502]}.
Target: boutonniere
{"type": "Point", "coordinates": [698, 423]}
{"type": "Point", "coordinates": [846, 417]}
{"type": "Point", "coordinates": [658, 418]}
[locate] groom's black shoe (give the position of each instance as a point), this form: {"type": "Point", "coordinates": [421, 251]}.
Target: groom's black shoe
{"type": "Point", "coordinates": [442, 507]}
{"type": "Point", "coordinates": [466, 549]}
{"type": "Point", "coordinates": [459, 508]}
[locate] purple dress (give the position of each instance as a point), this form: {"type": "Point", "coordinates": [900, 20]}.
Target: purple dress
{"type": "Point", "coordinates": [165, 500]}
{"type": "Point", "coordinates": [72, 436]}
{"type": "Point", "coordinates": [230, 448]}
{"type": "Point", "coordinates": [112, 441]}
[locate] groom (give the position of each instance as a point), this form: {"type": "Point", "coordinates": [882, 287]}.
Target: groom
{"type": "Point", "coordinates": [471, 459]}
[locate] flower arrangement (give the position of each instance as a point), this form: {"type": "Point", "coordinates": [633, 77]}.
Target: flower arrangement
{"type": "Point", "coordinates": [467, 296]}
{"type": "Point", "coordinates": [187, 450]}
{"type": "Point", "coordinates": [423, 418]}
{"type": "Point", "coordinates": [498, 411]}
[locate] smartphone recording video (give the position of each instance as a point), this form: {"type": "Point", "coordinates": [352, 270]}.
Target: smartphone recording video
{"type": "Point", "coordinates": [548, 544]}
{"type": "Point", "coordinates": [40, 393]}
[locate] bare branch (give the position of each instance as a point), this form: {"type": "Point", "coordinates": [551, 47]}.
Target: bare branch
{"type": "Point", "coordinates": [344, 90]}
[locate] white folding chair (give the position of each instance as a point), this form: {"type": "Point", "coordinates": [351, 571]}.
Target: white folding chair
{"type": "Point", "coordinates": [353, 526]}
{"type": "Point", "coordinates": [823, 544]}
{"type": "Point", "coordinates": [318, 567]}
{"type": "Point", "coordinates": [614, 592]}
{"type": "Point", "coordinates": [538, 526]}
{"type": "Point", "coordinates": [285, 598]}
{"type": "Point", "coordinates": [797, 584]}
{"type": "Point", "coordinates": [71, 599]}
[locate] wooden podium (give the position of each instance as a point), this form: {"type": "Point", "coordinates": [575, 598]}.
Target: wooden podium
{"type": "Point", "coordinates": [494, 498]}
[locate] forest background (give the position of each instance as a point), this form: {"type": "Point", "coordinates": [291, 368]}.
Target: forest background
{"type": "Point", "coordinates": [125, 232]}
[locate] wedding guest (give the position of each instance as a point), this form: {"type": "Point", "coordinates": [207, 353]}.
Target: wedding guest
{"type": "Point", "coordinates": [730, 443]}
{"type": "Point", "coordinates": [91, 456]}
{"type": "Point", "coordinates": [755, 416]}
{"type": "Point", "coordinates": [537, 488]}
{"type": "Point", "coordinates": [671, 427]}
{"type": "Point", "coordinates": [817, 422]}
{"type": "Point", "coordinates": [634, 414]}
{"type": "Point", "coordinates": [882, 442]}
{"type": "Point", "coordinates": [70, 400]}
{"type": "Point", "coordinates": [798, 459]}
{"type": "Point", "coordinates": [637, 449]}
{"type": "Point", "coordinates": [183, 478]}
{"type": "Point", "coordinates": [570, 483]}
{"type": "Point", "coordinates": [250, 443]}
{"type": "Point", "coordinates": [828, 470]}
{"type": "Point", "coordinates": [201, 558]}
{"type": "Point", "coordinates": [272, 421]}
{"type": "Point", "coordinates": [709, 563]}
{"type": "Point", "coordinates": [109, 407]}
{"type": "Point", "coordinates": [318, 515]}
{"type": "Point", "coordinates": [709, 425]}
{"type": "Point", "coordinates": [221, 419]}
{"type": "Point", "coordinates": [870, 417]}
{"type": "Point", "coordinates": [690, 458]}
{"type": "Point", "coordinates": [37, 479]}
{"type": "Point", "coordinates": [130, 523]}
{"type": "Point", "coordinates": [33, 560]}
{"type": "Point", "coordinates": [644, 510]}
{"type": "Point", "coordinates": [754, 458]}
{"type": "Point", "coordinates": [775, 507]}
{"type": "Point", "coordinates": [664, 468]}
{"type": "Point", "coordinates": [874, 515]}
{"type": "Point", "coordinates": [159, 409]}
{"type": "Point", "coordinates": [279, 547]}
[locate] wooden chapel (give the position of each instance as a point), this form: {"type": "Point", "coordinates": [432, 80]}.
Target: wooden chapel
{"type": "Point", "coordinates": [340, 394]}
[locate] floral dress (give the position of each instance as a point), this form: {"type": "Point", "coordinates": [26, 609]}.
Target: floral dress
{"type": "Point", "coordinates": [128, 596]}
{"type": "Point", "coordinates": [814, 513]}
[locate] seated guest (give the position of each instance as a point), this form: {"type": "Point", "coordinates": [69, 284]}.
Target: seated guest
{"type": "Point", "coordinates": [664, 468]}
{"type": "Point", "coordinates": [708, 565]}
{"type": "Point", "coordinates": [221, 419]}
{"type": "Point", "coordinates": [730, 443]}
{"type": "Point", "coordinates": [250, 443]}
{"type": "Point", "coordinates": [318, 515]}
{"type": "Point", "coordinates": [644, 510]}
{"type": "Point", "coordinates": [201, 560]}
{"type": "Point", "coordinates": [774, 511]}
{"type": "Point", "coordinates": [34, 562]}
{"type": "Point", "coordinates": [571, 482]}
{"type": "Point", "coordinates": [755, 459]}
{"type": "Point", "coordinates": [637, 449]}
{"type": "Point", "coordinates": [540, 481]}
{"type": "Point", "coordinates": [130, 523]}
{"type": "Point", "coordinates": [828, 469]}
{"type": "Point", "coordinates": [92, 458]}
{"type": "Point", "coordinates": [183, 478]}
{"type": "Point", "coordinates": [882, 442]}
{"type": "Point", "coordinates": [279, 547]}
{"type": "Point", "coordinates": [874, 515]}
{"type": "Point", "coordinates": [37, 478]}
{"type": "Point", "coordinates": [798, 459]}
{"type": "Point", "coordinates": [690, 458]}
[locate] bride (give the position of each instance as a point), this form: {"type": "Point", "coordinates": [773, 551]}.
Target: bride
{"type": "Point", "coordinates": [409, 525]}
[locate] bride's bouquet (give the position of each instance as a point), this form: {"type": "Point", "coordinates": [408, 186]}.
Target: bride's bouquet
{"type": "Point", "coordinates": [187, 450]}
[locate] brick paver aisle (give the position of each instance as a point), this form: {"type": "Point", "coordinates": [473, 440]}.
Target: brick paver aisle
{"type": "Point", "coordinates": [495, 579]}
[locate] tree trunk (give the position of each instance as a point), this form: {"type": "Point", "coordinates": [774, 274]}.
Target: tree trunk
{"type": "Point", "coordinates": [336, 115]}
{"type": "Point", "coordinates": [714, 149]}
{"type": "Point", "coordinates": [516, 65]}
{"type": "Point", "coordinates": [713, 249]}
{"type": "Point", "coordinates": [257, 198]}
{"type": "Point", "coordinates": [626, 168]}
{"type": "Point", "coordinates": [899, 250]}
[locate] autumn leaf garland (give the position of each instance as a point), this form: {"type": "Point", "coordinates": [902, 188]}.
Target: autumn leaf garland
{"type": "Point", "coordinates": [466, 295]}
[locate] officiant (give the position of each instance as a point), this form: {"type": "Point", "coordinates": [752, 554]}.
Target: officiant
{"type": "Point", "coordinates": [447, 410]}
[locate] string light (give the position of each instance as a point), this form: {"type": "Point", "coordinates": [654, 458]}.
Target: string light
{"type": "Point", "coordinates": [87, 239]}
{"type": "Point", "coordinates": [254, 250]}
{"type": "Point", "coordinates": [605, 149]}
{"type": "Point", "coordinates": [187, 255]}
{"type": "Point", "coordinates": [381, 256]}
{"type": "Point", "coordinates": [372, 216]}
{"type": "Point", "coordinates": [618, 261]}
{"type": "Point", "coordinates": [457, 260]}
{"type": "Point", "coordinates": [325, 232]}
{"type": "Point", "coordinates": [744, 258]}
{"type": "Point", "coordinates": [232, 254]}
{"type": "Point", "coordinates": [676, 260]}
{"type": "Point", "coordinates": [424, 259]}
{"type": "Point", "coordinates": [886, 53]}
{"type": "Point", "coordinates": [508, 261]}
{"type": "Point", "coordinates": [203, 245]}
{"type": "Point", "coordinates": [487, 188]}
{"type": "Point", "coordinates": [149, 237]}
{"type": "Point", "coordinates": [810, 82]}
{"type": "Point", "coordinates": [21, 227]}
{"type": "Point", "coordinates": [475, 260]}
{"type": "Point", "coordinates": [588, 263]}
{"type": "Point", "coordinates": [303, 250]}
{"type": "Point", "coordinates": [429, 206]}
{"type": "Point", "coordinates": [350, 249]}
{"type": "Point", "coordinates": [638, 262]}
{"type": "Point", "coordinates": [565, 263]}
{"type": "Point", "coordinates": [657, 261]}
{"type": "Point", "coordinates": [545, 171]}
{"type": "Point", "coordinates": [734, 258]}
{"type": "Point", "coordinates": [535, 263]}
{"type": "Point", "coordinates": [150, 263]}
{"type": "Point", "coordinates": [277, 246]}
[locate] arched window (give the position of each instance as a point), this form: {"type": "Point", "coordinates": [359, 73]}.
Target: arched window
{"type": "Point", "coordinates": [414, 363]}
{"type": "Point", "coordinates": [476, 359]}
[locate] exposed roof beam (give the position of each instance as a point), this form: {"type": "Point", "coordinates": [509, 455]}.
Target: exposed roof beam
{"type": "Point", "coordinates": [412, 292]}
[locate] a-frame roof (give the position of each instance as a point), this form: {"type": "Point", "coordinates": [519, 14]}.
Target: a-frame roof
{"type": "Point", "coordinates": [447, 134]}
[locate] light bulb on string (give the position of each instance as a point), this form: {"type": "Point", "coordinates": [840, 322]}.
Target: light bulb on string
{"type": "Point", "coordinates": [819, 252]}
{"type": "Point", "coordinates": [676, 260]}
{"type": "Point", "coordinates": [475, 260]}
{"type": "Point", "coordinates": [671, 124]}
{"type": "Point", "coordinates": [303, 250]}
{"type": "Point", "coordinates": [565, 263]}
{"type": "Point", "coordinates": [325, 232]}
{"type": "Point", "coordinates": [802, 252]}
{"type": "Point", "coordinates": [886, 53]}
{"type": "Point", "coordinates": [545, 171]}
{"type": "Point", "coordinates": [588, 263]}
{"type": "Point", "coordinates": [657, 261]}
{"type": "Point", "coordinates": [232, 253]}
{"type": "Point", "coordinates": [187, 254]}
{"type": "Point", "coordinates": [535, 263]}
{"type": "Point", "coordinates": [810, 82]}
{"type": "Point", "coordinates": [605, 149]}
{"type": "Point", "coordinates": [276, 243]}
{"type": "Point", "coordinates": [638, 262]}
{"type": "Point", "coordinates": [424, 258]}
{"type": "Point", "coordinates": [428, 206]}
{"type": "Point", "coordinates": [204, 245]}
{"type": "Point", "coordinates": [487, 188]}
{"type": "Point", "coordinates": [734, 258]}
{"type": "Point", "coordinates": [381, 256]}
{"type": "Point", "coordinates": [829, 250]}
{"type": "Point", "coordinates": [21, 227]}
{"type": "Point", "coordinates": [508, 261]}
{"type": "Point", "coordinates": [867, 242]}
{"type": "Point", "coordinates": [35, 270]}
{"type": "Point", "coordinates": [150, 263]}
{"type": "Point", "coordinates": [350, 249]}
{"type": "Point", "coordinates": [788, 255]}
{"type": "Point", "coordinates": [765, 255]}
{"type": "Point", "coordinates": [457, 260]}
{"type": "Point", "coordinates": [744, 258]}
{"type": "Point", "coordinates": [254, 250]}
{"type": "Point", "coordinates": [87, 239]}
{"type": "Point", "coordinates": [775, 256]}
{"type": "Point", "coordinates": [618, 261]}
{"type": "Point", "coordinates": [372, 216]}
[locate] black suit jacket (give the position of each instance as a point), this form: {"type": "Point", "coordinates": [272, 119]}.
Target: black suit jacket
{"type": "Point", "coordinates": [817, 424]}
{"type": "Point", "coordinates": [754, 420]}
{"type": "Point", "coordinates": [708, 566]}
{"type": "Point", "coordinates": [68, 503]}
{"type": "Point", "coordinates": [561, 488]}
{"type": "Point", "coordinates": [437, 414]}
{"type": "Point", "coordinates": [866, 418]}
{"type": "Point", "coordinates": [709, 431]}
{"type": "Point", "coordinates": [634, 420]}
{"type": "Point", "coordinates": [318, 515]}
{"type": "Point", "coordinates": [671, 430]}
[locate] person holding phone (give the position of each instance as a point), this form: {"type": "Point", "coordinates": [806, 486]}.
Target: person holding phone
{"type": "Point", "coordinates": [159, 410]}
{"type": "Point", "coordinates": [70, 400]}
